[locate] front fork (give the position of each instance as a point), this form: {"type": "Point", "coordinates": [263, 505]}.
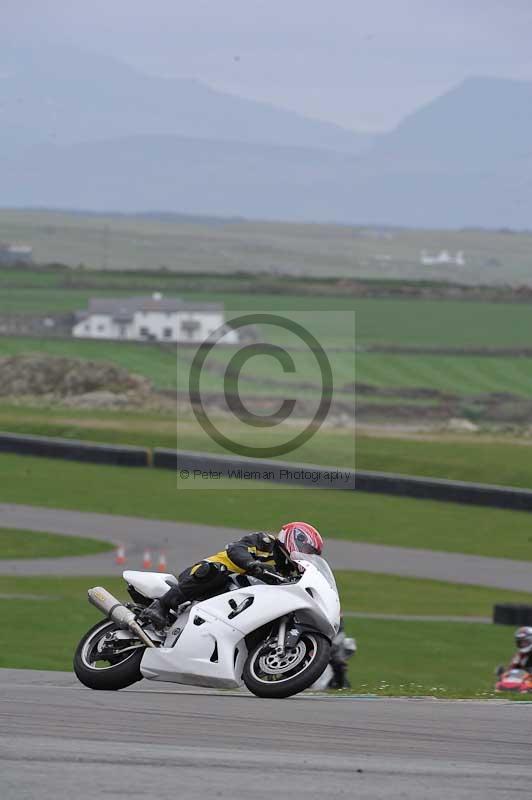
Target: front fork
{"type": "Point", "coordinates": [281, 636]}
{"type": "Point", "coordinates": [289, 632]}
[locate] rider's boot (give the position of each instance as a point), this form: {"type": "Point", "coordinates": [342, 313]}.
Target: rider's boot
{"type": "Point", "coordinates": [339, 679]}
{"type": "Point", "coordinates": [157, 612]}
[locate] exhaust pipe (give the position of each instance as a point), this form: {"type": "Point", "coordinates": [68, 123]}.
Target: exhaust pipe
{"type": "Point", "coordinates": [115, 610]}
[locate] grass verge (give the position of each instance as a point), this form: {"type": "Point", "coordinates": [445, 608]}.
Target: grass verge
{"type": "Point", "coordinates": [16, 543]}
{"type": "Point", "coordinates": [357, 516]}
{"type": "Point", "coordinates": [442, 659]}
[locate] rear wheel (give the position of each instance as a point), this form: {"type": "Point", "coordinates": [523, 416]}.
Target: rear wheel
{"type": "Point", "coordinates": [100, 663]}
{"type": "Point", "coordinates": [271, 673]}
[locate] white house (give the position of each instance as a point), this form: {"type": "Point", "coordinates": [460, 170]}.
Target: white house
{"type": "Point", "coordinates": [11, 254]}
{"type": "Point", "coordinates": [443, 257]}
{"type": "Point", "coordinates": [154, 318]}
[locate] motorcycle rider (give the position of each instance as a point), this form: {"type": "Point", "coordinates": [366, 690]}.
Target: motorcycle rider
{"type": "Point", "coordinates": [253, 554]}
{"type": "Point", "coordinates": [523, 657]}
{"type": "Point", "coordinates": [339, 656]}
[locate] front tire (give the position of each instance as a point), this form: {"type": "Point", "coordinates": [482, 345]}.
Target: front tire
{"type": "Point", "coordinates": [269, 674]}
{"type": "Point", "coordinates": [105, 674]}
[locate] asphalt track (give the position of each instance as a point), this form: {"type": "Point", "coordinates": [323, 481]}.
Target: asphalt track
{"type": "Point", "coordinates": [58, 739]}
{"type": "Point", "coordinates": [184, 543]}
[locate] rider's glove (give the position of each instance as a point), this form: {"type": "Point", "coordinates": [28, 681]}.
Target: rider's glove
{"type": "Point", "coordinates": [256, 569]}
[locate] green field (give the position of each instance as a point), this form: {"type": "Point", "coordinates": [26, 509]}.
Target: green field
{"type": "Point", "coordinates": [404, 322]}
{"type": "Point", "coordinates": [15, 543]}
{"type": "Point", "coordinates": [449, 323]}
{"type": "Point", "coordinates": [133, 243]}
{"type": "Point", "coordinates": [400, 658]}
{"type": "Point", "coordinates": [357, 516]}
{"type": "Point", "coordinates": [466, 376]}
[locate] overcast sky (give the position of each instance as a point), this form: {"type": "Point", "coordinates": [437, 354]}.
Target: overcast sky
{"type": "Point", "coordinates": [363, 65]}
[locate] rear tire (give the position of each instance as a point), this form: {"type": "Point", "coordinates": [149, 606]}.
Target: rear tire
{"type": "Point", "coordinates": [113, 677]}
{"type": "Point", "coordinates": [297, 669]}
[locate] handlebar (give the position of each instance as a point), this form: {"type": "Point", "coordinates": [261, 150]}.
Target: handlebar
{"type": "Point", "coordinates": [276, 576]}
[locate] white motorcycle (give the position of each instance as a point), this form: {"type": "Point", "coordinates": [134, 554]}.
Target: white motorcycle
{"type": "Point", "coordinates": [276, 639]}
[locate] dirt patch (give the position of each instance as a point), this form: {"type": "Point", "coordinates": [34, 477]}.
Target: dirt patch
{"type": "Point", "coordinates": [38, 375]}
{"type": "Point", "coordinates": [37, 379]}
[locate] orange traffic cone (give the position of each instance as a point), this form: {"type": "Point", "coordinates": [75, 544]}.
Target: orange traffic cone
{"type": "Point", "coordinates": [161, 566]}
{"type": "Point", "coordinates": [146, 560]}
{"type": "Point", "coordinates": [120, 557]}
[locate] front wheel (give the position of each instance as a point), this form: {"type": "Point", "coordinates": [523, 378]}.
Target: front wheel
{"type": "Point", "coordinates": [269, 673]}
{"type": "Point", "coordinates": [99, 663]}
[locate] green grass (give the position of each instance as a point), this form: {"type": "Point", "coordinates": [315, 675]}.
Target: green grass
{"type": "Point", "coordinates": [395, 594]}
{"type": "Point", "coordinates": [64, 616]}
{"type": "Point", "coordinates": [440, 659]}
{"type": "Point", "coordinates": [16, 543]}
{"type": "Point", "coordinates": [400, 658]}
{"type": "Point", "coordinates": [480, 458]}
{"type": "Point", "coordinates": [357, 516]}
{"type": "Point", "coordinates": [461, 375]}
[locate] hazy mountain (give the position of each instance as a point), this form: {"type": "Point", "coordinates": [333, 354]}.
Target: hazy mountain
{"type": "Point", "coordinates": [250, 180]}
{"type": "Point", "coordinates": [127, 142]}
{"type": "Point", "coordinates": [58, 95]}
{"type": "Point", "coordinates": [479, 123]}
{"type": "Point", "coordinates": [168, 173]}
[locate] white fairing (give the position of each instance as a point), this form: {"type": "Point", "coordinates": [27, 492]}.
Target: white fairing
{"type": "Point", "coordinates": [211, 649]}
{"type": "Point", "coordinates": [149, 584]}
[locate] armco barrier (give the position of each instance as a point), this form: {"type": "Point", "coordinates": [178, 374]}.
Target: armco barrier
{"type": "Point", "coordinates": [378, 482]}
{"type": "Point", "coordinates": [119, 455]}
{"type": "Point", "coordinates": [307, 474]}
{"type": "Point", "coordinates": [512, 614]}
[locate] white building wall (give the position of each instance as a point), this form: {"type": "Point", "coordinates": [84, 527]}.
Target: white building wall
{"type": "Point", "coordinates": [159, 325]}
{"type": "Point", "coordinates": [208, 324]}
{"type": "Point", "coordinates": [96, 326]}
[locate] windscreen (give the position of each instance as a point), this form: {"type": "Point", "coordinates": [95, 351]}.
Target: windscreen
{"type": "Point", "coordinates": [319, 563]}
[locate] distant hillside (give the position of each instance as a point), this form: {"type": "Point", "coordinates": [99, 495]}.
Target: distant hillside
{"type": "Point", "coordinates": [207, 245]}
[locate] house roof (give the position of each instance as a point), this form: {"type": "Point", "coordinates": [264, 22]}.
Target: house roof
{"type": "Point", "coordinates": [125, 307]}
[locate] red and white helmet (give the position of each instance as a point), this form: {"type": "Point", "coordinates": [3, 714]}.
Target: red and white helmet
{"type": "Point", "coordinates": [300, 537]}
{"type": "Point", "coordinates": [523, 639]}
